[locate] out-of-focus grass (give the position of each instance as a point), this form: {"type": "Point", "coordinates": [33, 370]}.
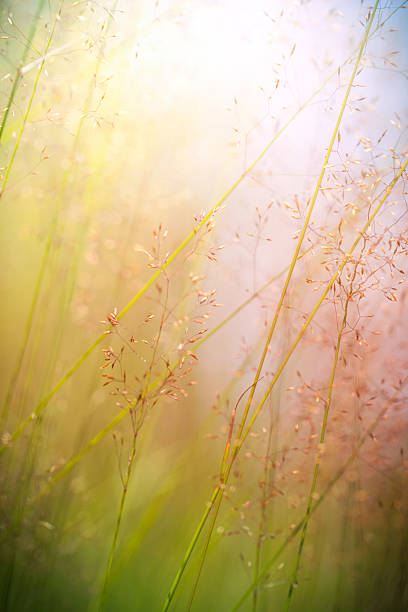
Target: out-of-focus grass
{"type": "Point", "coordinates": [146, 115]}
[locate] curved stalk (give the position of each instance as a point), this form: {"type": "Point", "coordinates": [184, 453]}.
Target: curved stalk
{"type": "Point", "coordinates": [240, 436]}
{"type": "Point", "coordinates": [47, 249]}
{"type": "Point", "coordinates": [240, 441]}
{"type": "Point", "coordinates": [316, 505]}
{"type": "Point", "coordinates": [321, 441]}
{"type": "Point", "coordinates": [137, 427]}
{"type": "Point", "coordinates": [45, 401]}
{"type": "Point", "coordinates": [30, 102]}
{"type": "Point", "coordinates": [18, 74]}
{"type": "Point", "coordinates": [306, 223]}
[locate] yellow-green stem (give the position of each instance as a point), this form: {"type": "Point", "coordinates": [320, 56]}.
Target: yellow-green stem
{"type": "Point", "coordinates": [240, 442]}
{"type": "Point", "coordinates": [44, 402]}
{"type": "Point", "coordinates": [320, 301]}
{"type": "Point", "coordinates": [47, 248]}
{"type": "Point", "coordinates": [285, 287]}
{"type": "Point", "coordinates": [18, 74]}
{"type": "Point", "coordinates": [20, 134]}
{"type": "Point", "coordinates": [131, 459]}
{"type": "Point", "coordinates": [315, 506]}
{"type": "Point", "coordinates": [321, 441]}
{"type": "Point", "coordinates": [306, 223]}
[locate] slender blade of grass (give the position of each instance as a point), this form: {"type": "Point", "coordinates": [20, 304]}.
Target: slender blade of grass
{"type": "Point", "coordinates": [45, 401]}
{"type": "Point", "coordinates": [316, 505]}
{"type": "Point", "coordinates": [321, 441]}
{"type": "Point", "coordinates": [240, 442]}
{"type": "Point", "coordinates": [289, 276]}
{"type": "Point", "coordinates": [306, 223]}
{"type": "Point", "coordinates": [49, 242]}
{"type": "Point", "coordinates": [18, 74]}
{"type": "Point", "coordinates": [30, 102]}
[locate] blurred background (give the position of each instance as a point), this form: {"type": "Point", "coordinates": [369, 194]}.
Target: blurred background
{"type": "Point", "coordinates": [125, 127]}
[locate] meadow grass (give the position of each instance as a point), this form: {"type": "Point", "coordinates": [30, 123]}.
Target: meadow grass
{"type": "Point", "coordinates": [240, 436]}
{"type": "Point", "coordinates": [115, 514]}
{"type": "Point", "coordinates": [45, 401]}
{"type": "Point", "coordinates": [18, 74]}
{"type": "Point", "coordinates": [30, 102]}
{"type": "Point", "coordinates": [239, 441]}
{"type": "Point", "coordinates": [301, 525]}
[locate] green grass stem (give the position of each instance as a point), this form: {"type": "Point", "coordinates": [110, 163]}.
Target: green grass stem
{"type": "Point", "coordinates": [240, 441]}
{"type": "Point", "coordinates": [288, 278]}
{"type": "Point", "coordinates": [368, 432]}
{"type": "Point", "coordinates": [137, 426]}
{"type": "Point", "coordinates": [48, 247]}
{"type": "Point", "coordinates": [30, 102]}
{"type": "Point", "coordinates": [305, 225]}
{"type": "Point", "coordinates": [321, 441]}
{"type": "Point", "coordinates": [44, 402]}
{"type": "Point", "coordinates": [18, 74]}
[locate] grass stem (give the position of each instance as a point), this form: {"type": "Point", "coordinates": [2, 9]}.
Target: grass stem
{"type": "Point", "coordinates": [291, 269]}
{"type": "Point", "coordinates": [30, 102]}
{"type": "Point", "coordinates": [240, 441]}
{"type": "Point", "coordinates": [45, 401]}
{"type": "Point", "coordinates": [293, 582]}
{"type": "Point", "coordinates": [18, 75]}
{"type": "Point", "coordinates": [368, 433]}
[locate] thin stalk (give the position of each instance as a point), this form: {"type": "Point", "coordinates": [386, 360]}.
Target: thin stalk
{"type": "Point", "coordinates": [268, 482]}
{"type": "Point", "coordinates": [117, 524]}
{"type": "Point", "coordinates": [118, 521]}
{"type": "Point", "coordinates": [204, 552]}
{"type": "Point", "coordinates": [45, 401]}
{"type": "Point", "coordinates": [16, 146]}
{"type": "Point", "coordinates": [240, 441]}
{"type": "Point", "coordinates": [137, 427]}
{"type": "Point", "coordinates": [48, 247]}
{"type": "Point", "coordinates": [306, 223]}
{"type": "Point", "coordinates": [320, 301]}
{"type": "Point", "coordinates": [316, 505]}
{"type": "Point", "coordinates": [123, 413]}
{"type": "Point", "coordinates": [23, 475]}
{"type": "Point", "coordinates": [19, 73]}
{"type": "Point", "coordinates": [332, 74]}
{"type": "Point", "coordinates": [27, 328]}
{"type": "Point", "coordinates": [321, 441]}
{"type": "Point", "coordinates": [291, 269]}
{"type": "Point", "coordinates": [31, 311]}
{"type": "Point", "coordinates": [152, 513]}
{"type": "Point", "coordinates": [222, 471]}
{"type": "Point", "coordinates": [40, 407]}
{"type": "Point", "coordinates": [76, 459]}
